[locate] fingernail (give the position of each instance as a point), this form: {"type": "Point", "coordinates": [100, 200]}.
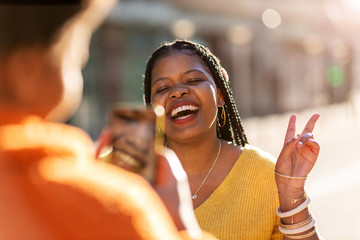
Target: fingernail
{"type": "Point", "coordinates": [308, 135]}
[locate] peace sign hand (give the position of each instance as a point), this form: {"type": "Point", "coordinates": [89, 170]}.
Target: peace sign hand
{"type": "Point", "coordinates": [298, 156]}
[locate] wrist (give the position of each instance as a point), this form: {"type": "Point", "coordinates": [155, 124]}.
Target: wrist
{"type": "Point", "coordinates": [293, 210]}
{"type": "Point", "coordinates": [289, 184]}
{"type": "Point", "coordinates": [291, 189]}
{"type": "Point", "coordinates": [291, 192]}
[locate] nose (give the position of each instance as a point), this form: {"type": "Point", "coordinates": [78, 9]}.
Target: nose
{"type": "Point", "coordinates": [179, 92]}
{"type": "Point", "coordinates": [140, 137]}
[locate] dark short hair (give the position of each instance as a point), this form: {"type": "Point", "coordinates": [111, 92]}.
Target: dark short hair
{"type": "Point", "coordinates": [26, 25]}
{"type": "Point", "coordinates": [232, 130]}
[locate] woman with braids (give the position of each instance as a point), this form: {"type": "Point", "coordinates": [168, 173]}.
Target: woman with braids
{"type": "Point", "coordinates": [237, 191]}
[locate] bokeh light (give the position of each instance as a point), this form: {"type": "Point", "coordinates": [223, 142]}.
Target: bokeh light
{"type": "Point", "coordinates": [183, 29]}
{"type": "Point", "coordinates": [271, 18]}
{"type": "Point", "coordinates": [239, 35]}
{"type": "Point", "coordinates": [335, 76]}
{"type": "Point", "coordinates": [159, 110]}
{"type": "Point", "coordinates": [313, 44]}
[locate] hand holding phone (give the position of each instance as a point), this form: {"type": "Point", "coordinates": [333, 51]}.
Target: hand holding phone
{"type": "Point", "coordinates": [132, 142]}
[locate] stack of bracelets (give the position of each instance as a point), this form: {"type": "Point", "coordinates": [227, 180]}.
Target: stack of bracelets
{"type": "Point", "coordinates": [289, 230]}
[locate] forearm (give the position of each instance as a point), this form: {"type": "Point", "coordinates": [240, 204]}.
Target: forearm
{"type": "Point", "coordinates": [298, 222]}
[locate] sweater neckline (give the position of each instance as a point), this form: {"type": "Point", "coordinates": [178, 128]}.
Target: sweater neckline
{"type": "Point", "coordinates": [239, 161]}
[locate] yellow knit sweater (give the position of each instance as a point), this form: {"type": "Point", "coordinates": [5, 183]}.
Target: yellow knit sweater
{"type": "Point", "coordinates": [244, 205]}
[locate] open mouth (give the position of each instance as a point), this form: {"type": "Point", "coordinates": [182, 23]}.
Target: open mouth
{"type": "Point", "coordinates": [127, 161]}
{"type": "Point", "coordinates": [183, 112]}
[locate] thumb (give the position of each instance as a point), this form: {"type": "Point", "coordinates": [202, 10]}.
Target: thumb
{"type": "Point", "coordinates": [103, 140]}
{"type": "Point", "coordinates": [163, 171]}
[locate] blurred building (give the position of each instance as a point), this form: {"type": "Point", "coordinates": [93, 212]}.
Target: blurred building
{"type": "Point", "coordinates": [280, 56]}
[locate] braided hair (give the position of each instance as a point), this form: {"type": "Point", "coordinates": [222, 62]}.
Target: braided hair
{"type": "Point", "coordinates": [232, 130]}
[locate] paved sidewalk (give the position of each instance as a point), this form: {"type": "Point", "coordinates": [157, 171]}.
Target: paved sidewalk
{"type": "Point", "coordinates": [334, 183]}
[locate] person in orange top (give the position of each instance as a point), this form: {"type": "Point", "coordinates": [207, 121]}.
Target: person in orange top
{"type": "Point", "coordinates": [52, 186]}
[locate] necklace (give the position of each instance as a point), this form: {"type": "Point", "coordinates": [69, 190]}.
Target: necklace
{"type": "Point", "coordinates": [194, 196]}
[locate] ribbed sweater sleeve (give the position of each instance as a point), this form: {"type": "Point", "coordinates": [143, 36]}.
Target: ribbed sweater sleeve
{"type": "Point", "coordinates": [243, 206]}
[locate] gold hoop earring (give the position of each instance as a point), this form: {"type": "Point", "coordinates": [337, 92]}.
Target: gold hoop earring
{"type": "Point", "coordinates": [223, 117]}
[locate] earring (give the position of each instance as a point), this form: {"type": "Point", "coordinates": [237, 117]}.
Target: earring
{"type": "Point", "coordinates": [223, 117]}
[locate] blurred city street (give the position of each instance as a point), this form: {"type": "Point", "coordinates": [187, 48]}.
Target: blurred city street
{"type": "Point", "coordinates": [281, 59]}
{"type": "Point", "coordinates": [334, 183]}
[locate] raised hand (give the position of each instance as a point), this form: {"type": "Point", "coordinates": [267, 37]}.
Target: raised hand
{"type": "Point", "coordinates": [298, 155]}
{"type": "Point", "coordinates": [296, 160]}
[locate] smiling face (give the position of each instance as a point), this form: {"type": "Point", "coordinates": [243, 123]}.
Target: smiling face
{"type": "Point", "coordinates": [133, 142]}
{"type": "Point", "coordinates": [184, 86]}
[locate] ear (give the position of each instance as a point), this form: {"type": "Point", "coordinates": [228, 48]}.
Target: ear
{"type": "Point", "coordinates": [221, 100]}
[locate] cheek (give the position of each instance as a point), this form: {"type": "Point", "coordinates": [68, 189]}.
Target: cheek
{"type": "Point", "coordinates": [208, 93]}
{"type": "Point", "coordinates": [213, 92]}
{"type": "Point", "coordinates": [210, 98]}
{"type": "Point", "coordinates": [158, 99]}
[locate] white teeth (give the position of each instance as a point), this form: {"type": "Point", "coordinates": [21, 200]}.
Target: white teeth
{"type": "Point", "coordinates": [127, 159]}
{"type": "Point", "coordinates": [175, 111]}
{"type": "Point", "coordinates": [184, 116]}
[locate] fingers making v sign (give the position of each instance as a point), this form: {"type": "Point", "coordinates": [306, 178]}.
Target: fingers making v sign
{"type": "Point", "coordinates": [298, 156]}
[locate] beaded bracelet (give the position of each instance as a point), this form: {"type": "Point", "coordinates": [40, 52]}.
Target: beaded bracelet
{"type": "Point", "coordinates": [302, 236]}
{"type": "Point", "coordinates": [298, 230]}
{"type": "Point", "coordinates": [293, 211]}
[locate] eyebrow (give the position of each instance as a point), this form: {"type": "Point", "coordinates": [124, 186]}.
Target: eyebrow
{"type": "Point", "coordinates": [159, 79]}
{"type": "Point", "coordinates": [187, 72]}
{"type": "Point", "coordinates": [133, 114]}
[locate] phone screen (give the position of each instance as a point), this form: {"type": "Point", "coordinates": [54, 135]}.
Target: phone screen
{"type": "Point", "coordinates": [133, 140]}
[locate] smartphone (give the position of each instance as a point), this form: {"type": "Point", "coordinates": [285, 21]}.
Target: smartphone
{"type": "Point", "coordinates": [135, 139]}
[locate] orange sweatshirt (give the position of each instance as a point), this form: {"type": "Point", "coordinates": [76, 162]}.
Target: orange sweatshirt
{"type": "Point", "coordinates": [53, 189]}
